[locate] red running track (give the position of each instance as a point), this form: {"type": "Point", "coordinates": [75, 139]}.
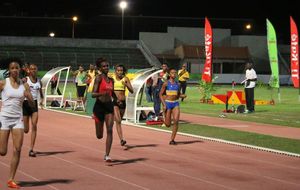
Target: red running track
{"type": "Point", "coordinates": [72, 158]}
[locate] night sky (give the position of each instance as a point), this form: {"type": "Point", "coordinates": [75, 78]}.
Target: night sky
{"type": "Point", "coordinates": [233, 14]}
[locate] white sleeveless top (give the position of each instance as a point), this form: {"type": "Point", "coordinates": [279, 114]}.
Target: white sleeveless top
{"type": "Point", "coordinates": [250, 74]}
{"type": "Point", "coordinates": [12, 100]}
{"type": "Point", "coordinates": [34, 88]}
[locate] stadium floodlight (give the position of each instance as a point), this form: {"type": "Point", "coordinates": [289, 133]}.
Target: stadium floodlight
{"type": "Point", "coordinates": [123, 6]}
{"type": "Point", "coordinates": [74, 19]}
{"type": "Point", "coordinates": [248, 26]}
{"type": "Point", "coordinates": [52, 34]}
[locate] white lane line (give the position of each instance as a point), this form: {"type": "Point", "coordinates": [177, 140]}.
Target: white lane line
{"type": "Point", "coordinates": [28, 175]}
{"type": "Point", "coordinates": [233, 126]}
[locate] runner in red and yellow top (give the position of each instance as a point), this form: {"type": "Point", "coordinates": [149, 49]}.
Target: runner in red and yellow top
{"type": "Point", "coordinates": [103, 110]}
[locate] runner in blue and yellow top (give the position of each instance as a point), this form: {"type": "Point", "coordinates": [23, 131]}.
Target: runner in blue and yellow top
{"type": "Point", "coordinates": [170, 102]}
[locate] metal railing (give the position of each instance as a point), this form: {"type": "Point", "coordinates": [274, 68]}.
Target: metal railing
{"type": "Point", "coordinates": [154, 62]}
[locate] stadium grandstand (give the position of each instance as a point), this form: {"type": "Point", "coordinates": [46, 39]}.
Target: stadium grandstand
{"type": "Point", "coordinates": [48, 53]}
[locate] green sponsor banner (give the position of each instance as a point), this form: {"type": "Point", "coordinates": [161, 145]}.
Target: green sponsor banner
{"type": "Point", "coordinates": [273, 57]}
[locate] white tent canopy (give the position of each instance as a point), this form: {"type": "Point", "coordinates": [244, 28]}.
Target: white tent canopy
{"type": "Point", "coordinates": [46, 81]}
{"type": "Point", "coordinates": [2, 73]}
{"type": "Point", "coordinates": [133, 107]}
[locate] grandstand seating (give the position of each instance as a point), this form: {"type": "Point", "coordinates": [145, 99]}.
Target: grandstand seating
{"type": "Point", "coordinates": [49, 57]}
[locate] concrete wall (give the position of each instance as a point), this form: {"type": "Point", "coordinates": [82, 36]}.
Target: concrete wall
{"type": "Point", "coordinates": [162, 42]}
{"type": "Point", "coordinates": [196, 65]}
{"type": "Point", "coordinates": [157, 42]}
{"type": "Point", "coordinates": [258, 50]}
{"type": "Point", "coordinates": [228, 78]}
{"type": "Point", "coordinates": [175, 36]}
{"type": "Point", "coordinates": [195, 36]}
{"type": "Point", "coordinates": [65, 42]}
{"type": "Point", "coordinates": [238, 78]}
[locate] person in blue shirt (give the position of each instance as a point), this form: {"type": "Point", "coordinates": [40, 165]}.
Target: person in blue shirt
{"type": "Point", "coordinates": [169, 96]}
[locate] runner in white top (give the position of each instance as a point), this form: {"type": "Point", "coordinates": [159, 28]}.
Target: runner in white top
{"type": "Point", "coordinates": [29, 112]}
{"type": "Point", "coordinates": [13, 92]}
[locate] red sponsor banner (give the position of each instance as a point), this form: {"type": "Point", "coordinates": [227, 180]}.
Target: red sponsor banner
{"type": "Point", "coordinates": [206, 75]}
{"type": "Point", "coordinates": [294, 53]}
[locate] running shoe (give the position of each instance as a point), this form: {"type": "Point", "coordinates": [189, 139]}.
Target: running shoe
{"type": "Point", "coordinates": [247, 111]}
{"type": "Point", "coordinates": [13, 184]}
{"type": "Point", "coordinates": [123, 142]}
{"type": "Point", "coordinates": [107, 158]}
{"type": "Point", "coordinates": [172, 142]}
{"type": "Point", "coordinates": [32, 153]}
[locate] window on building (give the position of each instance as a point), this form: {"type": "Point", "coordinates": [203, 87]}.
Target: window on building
{"type": "Point", "coordinates": [228, 67]}
{"type": "Point", "coordinates": [233, 67]}
{"type": "Point", "coordinates": [216, 68]}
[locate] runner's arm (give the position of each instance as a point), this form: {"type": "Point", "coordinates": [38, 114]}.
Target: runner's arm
{"type": "Point", "coordinates": [2, 84]}
{"type": "Point", "coordinates": [162, 90]}
{"type": "Point", "coordinates": [28, 95]}
{"type": "Point", "coordinates": [41, 95]}
{"type": "Point", "coordinates": [128, 85]}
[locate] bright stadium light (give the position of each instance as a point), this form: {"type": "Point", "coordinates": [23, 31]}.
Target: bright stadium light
{"type": "Point", "coordinates": [248, 26]}
{"type": "Point", "coordinates": [52, 34]}
{"type": "Point", "coordinates": [123, 6]}
{"type": "Point", "coordinates": [74, 19]}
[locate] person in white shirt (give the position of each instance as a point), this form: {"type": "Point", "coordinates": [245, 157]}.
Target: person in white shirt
{"type": "Point", "coordinates": [13, 92]}
{"type": "Point", "coordinates": [35, 89]}
{"type": "Point", "coordinates": [250, 81]}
